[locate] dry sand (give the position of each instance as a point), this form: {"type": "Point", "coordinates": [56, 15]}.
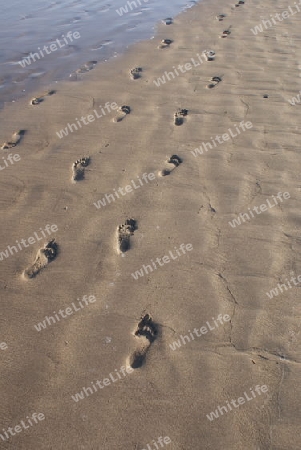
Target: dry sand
{"type": "Point", "coordinates": [228, 271]}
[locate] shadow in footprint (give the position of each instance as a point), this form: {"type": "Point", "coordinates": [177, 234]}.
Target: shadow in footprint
{"type": "Point", "coordinates": [168, 21]}
{"type": "Point", "coordinates": [123, 111]}
{"type": "Point", "coordinates": [165, 43]}
{"type": "Point", "coordinates": [226, 33]}
{"type": "Point", "coordinates": [44, 257]}
{"type": "Point", "coordinates": [179, 116]}
{"type": "Point", "coordinates": [146, 332]}
{"type": "Point", "coordinates": [220, 17]}
{"type": "Point", "coordinates": [214, 82]}
{"type": "Point", "coordinates": [124, 232]}
{"type": "Point", "coordinates": [136, 73]}
{"type": "Point", "coordinates": [173, 162]}
{"type": "Point", "coordinates": [209, 55]}
{"type": "Point", "coordinates": [37, 100]}
{"type": "Point", "coordinates": [15, 140]}
{"type": "Point", "coordinates": [78, 168]}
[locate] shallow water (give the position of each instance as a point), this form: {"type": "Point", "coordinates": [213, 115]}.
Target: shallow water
{"type": "Point", "coordinates": [32, 24]}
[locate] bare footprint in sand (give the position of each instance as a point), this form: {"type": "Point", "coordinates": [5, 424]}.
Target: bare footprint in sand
{"type": "Point", "coordinates": [173, 162]}
{"type": "Point", "coordinates": [241, 2]}
{"type": "Point", "coordinates": [220, 17]}
{"type": "Point", "coordinates": [214, 82]}
{"type": "Point", "coordinates": [78, 168]}
{"type": "Point", "coordinates": [165, 43]}
{"type": "Point", "coordinates": [168, 21]}
{"type": "Point", "coordinates": [136, 73]}
{"type": "Point", "coordinates": [124, 232]}
{"type": "Point", "coordinates": [123, 111]}
{"type": "Point", "coordinates": [44, 257]}
{"type": "Point", "coordinates": [209, 55]}
{"type": "Point", "coordinates": [15, 139]}
{"type": "Point", "coordinates": [37, 100]}
{"type": "Point", "coordinates": [146, 332]}
{"type": "Point", "coordinates": [179, 116]}
{"type": "Point", "coordinates": [226, 33]}
{"type": "Point", "coordinates": [83, 69]}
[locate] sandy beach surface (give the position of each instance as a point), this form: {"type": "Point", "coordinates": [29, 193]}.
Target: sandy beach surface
{"type": "Point", "coordinates": [150, 296]}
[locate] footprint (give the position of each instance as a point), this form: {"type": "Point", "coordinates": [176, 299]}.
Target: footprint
{"type": "Point", "coordinates": [78, 168]}
{"type": "Point", "coordinates": [44, 257]}
{"type": "Point", "coordinates": [83, 69]}
{"type": "Point", "coordinates": [241, 2]}
{"type": "Point", "coordinates": [15, 139]}
{"type": "Point", "coordinates": [146, 332]}
{"type": "Point", "coordinates": [220, 17]}
{"type": "Point", "coordinates": [37, 100]}
{"type": "Point", "coordinates": [215, 82]}
{"type": "Point", "coordinates": [168, 21]}
{"type": "Point", "coordinates": [173, 162]}
{"type": "Point", "coordinates": [226, 33]}
{"type": "Point", "coordinates": [135, 73]}
{"type": "Point", "coordinates": [124, 233]}
{"type": "Point", "coordinates": [86, 67]}
{"type": "Point", "coordinates": [122, 112]}
{"type": "Point", "coordinates": [165, 43]}
{"type": "Point", "coordinates": [209, 54]}
{"type": "Point", "coordinates": [178, 116]}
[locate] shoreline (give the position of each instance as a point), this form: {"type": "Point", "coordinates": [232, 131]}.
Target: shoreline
{"type": "Point", "coordinates": [35, 76]}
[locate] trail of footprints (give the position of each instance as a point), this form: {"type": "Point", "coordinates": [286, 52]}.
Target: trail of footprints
{"type": "Point", "coordinates": [146, 331]}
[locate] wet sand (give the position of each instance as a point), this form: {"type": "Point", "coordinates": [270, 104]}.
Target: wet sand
{"type": "Point", "coordinates": [197, 271]}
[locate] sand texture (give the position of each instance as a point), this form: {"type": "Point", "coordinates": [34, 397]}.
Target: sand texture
{"type": "Point", "coordinates": [183, 199]}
